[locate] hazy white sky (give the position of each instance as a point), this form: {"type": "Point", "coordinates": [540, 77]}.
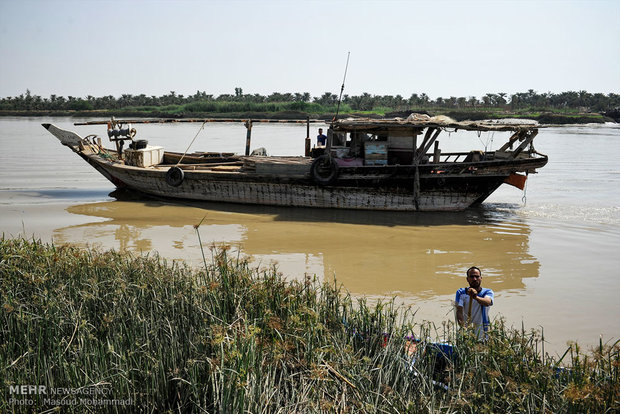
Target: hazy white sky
{"type": "Point", "coordinates": [442, 48]}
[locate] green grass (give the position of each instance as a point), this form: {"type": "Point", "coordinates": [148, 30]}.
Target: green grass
{"type": "Point", "coordinates": [233, 338]}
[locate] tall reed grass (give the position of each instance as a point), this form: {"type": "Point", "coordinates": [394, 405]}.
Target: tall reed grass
{"type": "Point", "coordinates": [233, 338]}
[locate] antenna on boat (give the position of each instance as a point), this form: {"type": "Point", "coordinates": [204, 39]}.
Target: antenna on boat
{"type": "Point", "coordinates": [342, 88]}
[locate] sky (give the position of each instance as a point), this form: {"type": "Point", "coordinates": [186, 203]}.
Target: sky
{"type": "Point", "coordinates": [441, 48]}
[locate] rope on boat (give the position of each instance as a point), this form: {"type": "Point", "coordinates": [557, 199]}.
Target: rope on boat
{"type": "Point", "coordinates": [490, 136]}
{"type": "Point", "coordinates": [191, 143]}
{"type": "Point", "coordinates": [524, 198]}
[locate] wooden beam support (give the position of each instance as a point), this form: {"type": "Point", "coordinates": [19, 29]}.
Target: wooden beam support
{"type": "Point", "coordinates": [511, 140]}
{"type": "Point", "coordinates": [182, 120]}
{"type": "Point", "coordinates": [436, 153]}
{"type": "Point", "coordinates": [414, 149]}
{"type": "Point", "coordinates": [308, 142]}
{"type": "Point", "coordinates": [427, 136]}
{"type": "Point", "coordinates": [426, 144]}
{"type": "Point", "coordinates": [248, 137]}
{"type": "Point", "coordinates": [529, 137]}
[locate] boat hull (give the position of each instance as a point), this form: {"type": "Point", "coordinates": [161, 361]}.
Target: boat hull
{"type": "Point", "coordinates": [436, 193]}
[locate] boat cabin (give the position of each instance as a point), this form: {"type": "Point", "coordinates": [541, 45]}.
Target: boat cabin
{"type": "Point", "coordinates": [413, 141]}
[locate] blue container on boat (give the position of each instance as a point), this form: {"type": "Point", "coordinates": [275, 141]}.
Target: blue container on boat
{"type": "Point", "coordinates": [376, 153]}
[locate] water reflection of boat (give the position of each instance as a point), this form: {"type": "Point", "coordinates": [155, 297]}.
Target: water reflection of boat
{"type": "Point", "coordinates": [368, 164]}
{"type": "Point", "coordinates": [374, 256]}
{"type": "Point", "coordinates": [479, 215]}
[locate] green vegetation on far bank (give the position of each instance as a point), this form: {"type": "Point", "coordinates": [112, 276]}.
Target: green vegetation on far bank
{"type": "Point", "coordinates": [548, 108]}
{"type": "Point", "coordinates": [549, 117]}
{"type": "Point", "coordinates": [231, 338]}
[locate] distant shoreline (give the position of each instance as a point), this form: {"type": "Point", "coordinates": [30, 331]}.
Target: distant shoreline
{"type": "Point", "coordinates": [547, 118]}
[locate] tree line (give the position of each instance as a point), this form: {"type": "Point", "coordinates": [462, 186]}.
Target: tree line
{"type": "Point", "coordinates": [302, 101]}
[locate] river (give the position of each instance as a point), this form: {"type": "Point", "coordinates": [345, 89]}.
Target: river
{"type": "Point", "coordinates": [551, 253]}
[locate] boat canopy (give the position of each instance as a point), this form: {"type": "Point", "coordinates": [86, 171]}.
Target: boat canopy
{"type": "Point", "coordinates": [417, 122]}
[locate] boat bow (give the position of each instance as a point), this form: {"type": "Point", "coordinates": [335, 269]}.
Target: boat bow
{"type": "Point", "coordinates": [68, 138]}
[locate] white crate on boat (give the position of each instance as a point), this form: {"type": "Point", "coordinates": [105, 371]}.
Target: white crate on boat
{"type": "Point", "coordinates": [144, 157]}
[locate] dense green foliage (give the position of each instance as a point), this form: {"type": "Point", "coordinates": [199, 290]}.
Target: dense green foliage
{"type": "Point", "coordinates": [201, 102]}
{"type": "Point", "coordinates": [231, 338]}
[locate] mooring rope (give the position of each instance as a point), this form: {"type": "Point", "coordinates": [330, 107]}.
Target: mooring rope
{"type": "Point", "coordinates": [190, 144]}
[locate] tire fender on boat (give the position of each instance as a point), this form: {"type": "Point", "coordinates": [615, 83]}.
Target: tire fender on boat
{"type": "Point", "coordinates": [174, 176]}
{"type": "Point", "coordinates": [324, 170]}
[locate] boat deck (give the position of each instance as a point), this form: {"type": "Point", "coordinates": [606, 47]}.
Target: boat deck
{"type": "Point", "coordinates": [260, 165]}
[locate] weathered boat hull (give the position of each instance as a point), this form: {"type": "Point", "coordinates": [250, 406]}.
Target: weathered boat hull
{"type": "Point", "coordinates": [436, 194]}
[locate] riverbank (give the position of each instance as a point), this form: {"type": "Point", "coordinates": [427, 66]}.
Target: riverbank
{"type": "Point", "coordinates": [160, 336]}
{"type": "Point", "coordinates": [180, 112]}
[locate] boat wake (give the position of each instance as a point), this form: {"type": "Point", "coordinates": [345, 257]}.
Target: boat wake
{"type": "Point", "coordinates": [605, 218]}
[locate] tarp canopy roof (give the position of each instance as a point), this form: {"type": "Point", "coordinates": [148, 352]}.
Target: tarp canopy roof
{"type": "Point", "coordinates": [417, 122]}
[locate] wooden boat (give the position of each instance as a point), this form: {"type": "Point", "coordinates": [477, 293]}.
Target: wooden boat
{"type": "Point", "coordinates": [368, 164]}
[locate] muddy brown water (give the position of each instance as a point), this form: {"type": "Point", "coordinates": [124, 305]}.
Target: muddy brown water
{"type": "Point", "coordinates": [551, 254]}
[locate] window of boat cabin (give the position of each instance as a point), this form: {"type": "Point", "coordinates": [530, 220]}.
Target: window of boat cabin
{"type": "Point", "coordinates": [401, 146]}
{"type": "Point", "coordinates": [337, 139]}
{"type": "Point", "coordinates": [356, 140]}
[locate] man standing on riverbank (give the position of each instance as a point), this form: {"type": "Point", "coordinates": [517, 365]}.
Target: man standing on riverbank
{"type": "Point", "coordinates": [472, 303]}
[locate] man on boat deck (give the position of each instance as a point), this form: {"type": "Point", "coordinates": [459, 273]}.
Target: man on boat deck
{"type": "Point", "coordinates": [472, 303]}
{"type": "Point", "coordinates": [321, 139]}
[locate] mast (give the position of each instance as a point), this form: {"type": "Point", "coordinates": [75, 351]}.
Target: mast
{"type": "Point", "coordinates": [342, 88]}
